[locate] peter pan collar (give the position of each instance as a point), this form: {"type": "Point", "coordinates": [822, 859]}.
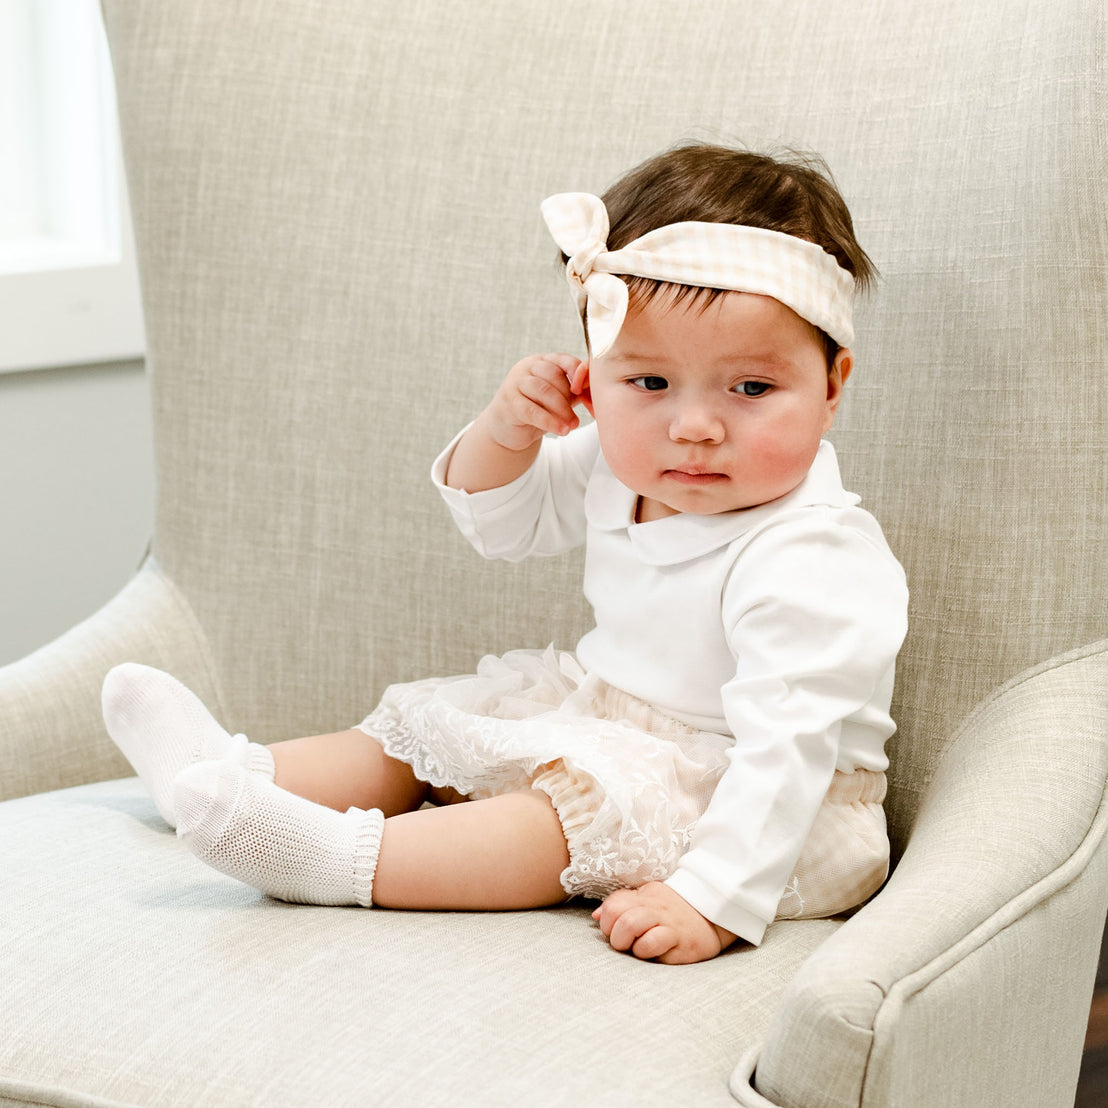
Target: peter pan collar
{"type": "Point", "coordinates": [610, 506]}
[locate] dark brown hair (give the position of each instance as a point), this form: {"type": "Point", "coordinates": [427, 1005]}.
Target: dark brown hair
{"type": "Point", "coordinates": [795, 195]}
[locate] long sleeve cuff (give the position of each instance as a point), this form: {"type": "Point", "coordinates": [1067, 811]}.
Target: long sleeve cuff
{"type": "Point", "coordinates": [708, 903]}
{"type": "Point", "coordinates": [487, 519]}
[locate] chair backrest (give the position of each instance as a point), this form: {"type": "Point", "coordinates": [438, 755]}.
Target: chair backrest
{"type": "Point", "coordinates": [341, 253]}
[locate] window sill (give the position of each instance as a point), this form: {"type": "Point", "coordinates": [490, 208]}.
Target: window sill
{"type": "Point", "coordinates": [69, 315]}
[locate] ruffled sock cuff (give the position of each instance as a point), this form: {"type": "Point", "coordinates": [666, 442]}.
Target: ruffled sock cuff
{"type": "Point", "coordinates": [367, 847]}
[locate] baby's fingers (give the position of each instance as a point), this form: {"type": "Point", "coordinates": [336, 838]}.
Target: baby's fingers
{"type": "Point", "coordinates": [655, 943]}
{"type": "Point", "coordinates": [548, 402]}
{"type": "Point", "coordinates": [637, 930]}
{"type": "Point", "coordinates": [567, 363]}
{"type": "Point", "coordinates": [608, 914]}
{"type": "Point", "coordinates": [631, 925]}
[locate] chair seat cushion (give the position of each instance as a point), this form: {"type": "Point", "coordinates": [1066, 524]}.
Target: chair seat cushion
{"type": "Point", "coordinates": [132, 974]}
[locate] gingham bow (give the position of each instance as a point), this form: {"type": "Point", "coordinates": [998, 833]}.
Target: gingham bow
{"type": "Point", "coordinates": [578, 222]}
{"type": "Point", "coordinates": [800, 274]}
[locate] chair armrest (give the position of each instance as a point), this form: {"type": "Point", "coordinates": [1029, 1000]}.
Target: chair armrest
{"type": "Point", "coordinates": [967, 980]}
{"type": "Point", "coordinates": [51, 731]}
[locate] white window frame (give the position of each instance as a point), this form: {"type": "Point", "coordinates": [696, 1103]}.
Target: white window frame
{"type": "Point", "coordinates": [69, 288]}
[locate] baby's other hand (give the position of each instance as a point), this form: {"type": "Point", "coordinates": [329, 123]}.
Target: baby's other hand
{"type": "Point", "coordinates": [655, 923]}
{"type": "Point", "coordinates": [536, 398]}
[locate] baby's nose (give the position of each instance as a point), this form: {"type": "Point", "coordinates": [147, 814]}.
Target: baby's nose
{"type": "Point", "coordinates": [696, 423]}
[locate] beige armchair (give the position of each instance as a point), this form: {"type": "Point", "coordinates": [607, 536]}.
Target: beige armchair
{"type": "Point", "coordinates": [336, 207]}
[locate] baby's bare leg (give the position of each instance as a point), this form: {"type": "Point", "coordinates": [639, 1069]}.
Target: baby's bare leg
{"type": "Point", "coordinates": [345, 770]}
{"type": "Point", "coordinates": [502, 853]}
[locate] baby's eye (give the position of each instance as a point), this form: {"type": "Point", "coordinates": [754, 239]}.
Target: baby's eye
{"type": "Point", "coordinates": [752, 388]}
{"type": "Point", "coordinates": [651, 384]}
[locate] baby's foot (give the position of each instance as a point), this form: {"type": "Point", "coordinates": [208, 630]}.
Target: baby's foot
{"type": "Point", "coordinates": [275, 841]}
{"type": "Point", "coordinates": [162, 727]}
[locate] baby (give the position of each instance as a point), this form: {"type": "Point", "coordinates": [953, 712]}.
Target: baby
{"type": "Point", "coordinates": [711, 755]}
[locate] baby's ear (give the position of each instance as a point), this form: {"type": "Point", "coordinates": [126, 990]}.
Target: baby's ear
{"type": "Point", "coordinates": [579, 385]}
{"type": "Point", "coordinates": [836, 382]}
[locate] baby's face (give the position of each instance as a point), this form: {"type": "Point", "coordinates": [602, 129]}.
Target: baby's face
{"type": "Point", "coordinates": [715, 409]}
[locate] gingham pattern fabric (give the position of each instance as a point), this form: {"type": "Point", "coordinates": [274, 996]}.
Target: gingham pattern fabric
{"type": "Point", "coordinates": [800, 274]}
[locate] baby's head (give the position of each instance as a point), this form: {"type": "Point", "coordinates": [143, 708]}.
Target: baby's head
{"type": "Point", "coordinates": [715, 184]}
{"type": "Point", "coordinates": [716, 288]}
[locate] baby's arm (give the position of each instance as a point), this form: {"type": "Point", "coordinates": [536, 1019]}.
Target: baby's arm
{"type": "Point", "coordinates": [655, 922]}
{"type": "Point", "coordinates": [536, 397]}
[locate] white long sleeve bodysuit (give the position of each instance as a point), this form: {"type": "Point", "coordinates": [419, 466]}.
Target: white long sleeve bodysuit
{"type": "Point", "coordinates": [778, 626]}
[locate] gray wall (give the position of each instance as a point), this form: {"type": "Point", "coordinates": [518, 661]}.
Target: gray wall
{"type": "Point", "coordinates": [76, 495]}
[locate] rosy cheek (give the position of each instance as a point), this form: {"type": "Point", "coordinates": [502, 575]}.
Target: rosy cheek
{"type": "Point", "coordinates": [783, 456]}
{"type": "Point", "coordinates": [771, 447]}
{"type": "Point", "coordinates": [629, 453]}
{"type": "Point", "coordinates": [618, 449]}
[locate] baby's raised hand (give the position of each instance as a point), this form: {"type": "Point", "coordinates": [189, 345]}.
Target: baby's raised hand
{"type": "Point", "coordinates": [537, 397]}
{"type": "Point", "coordinates": [655, 923]}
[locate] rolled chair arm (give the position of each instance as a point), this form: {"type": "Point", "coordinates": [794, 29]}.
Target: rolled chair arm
{"type": "Point", "coordinates": [51, 732]}
{"type": "Point", "coordinates": [975, 964]}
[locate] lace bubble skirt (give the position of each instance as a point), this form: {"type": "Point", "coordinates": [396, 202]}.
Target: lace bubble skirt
{"type": "Point", "coordinates": [628, 782]}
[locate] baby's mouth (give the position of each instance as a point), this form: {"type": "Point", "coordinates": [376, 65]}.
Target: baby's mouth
{"type": "Point", "coordinates": [694, 475]}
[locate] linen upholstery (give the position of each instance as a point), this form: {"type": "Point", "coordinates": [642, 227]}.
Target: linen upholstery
{"type": "Point", "coordinates": [50, 697]}
{"type": "Point", "coordinates": [883, 971]}
{"type": "Point", "coordinates": [336, 209]}
{"type": "Point", "coordinates": [264, 220]}
{"type": "Point", "coordinates": [259, 1002]}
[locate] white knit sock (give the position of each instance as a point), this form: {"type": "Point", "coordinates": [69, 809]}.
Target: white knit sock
{"type": "Point", "coordinates": [273, 840]}
{"type": "Point", "coordinates": [162, 727]}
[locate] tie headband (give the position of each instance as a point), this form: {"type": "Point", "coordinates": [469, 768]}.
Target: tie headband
{"type": "Point", "coordinates": [800, 274]}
